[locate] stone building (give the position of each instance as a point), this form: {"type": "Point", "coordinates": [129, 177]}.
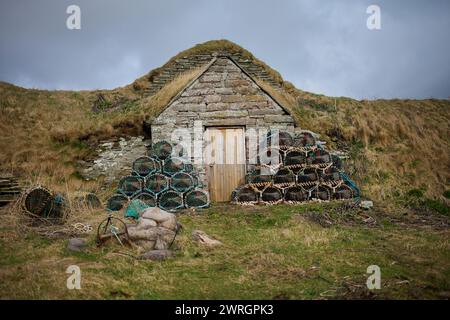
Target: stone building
{"type": "Point", "coordinates": [216, 117]}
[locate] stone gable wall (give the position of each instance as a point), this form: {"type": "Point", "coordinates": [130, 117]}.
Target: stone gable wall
{"type": "Point", "coordinates": [222, 96]}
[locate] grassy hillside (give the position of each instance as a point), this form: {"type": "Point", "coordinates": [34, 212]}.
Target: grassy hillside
{"type": "Point", "coordinates": [398, 154]}
{"type": "Point", "coordinates": [396, 145]}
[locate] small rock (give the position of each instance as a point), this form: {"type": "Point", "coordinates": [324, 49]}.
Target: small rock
{"type": "Point", "coordinates": [76, 244]}
{"type": "Point", "coordinates": [203, 238]}
{"type": "Point", "coordinates": [157, 214]}
{"type": "Point", "coordinates": [366, 204]}
{"type": "Point", "coordinates": [156, 255]}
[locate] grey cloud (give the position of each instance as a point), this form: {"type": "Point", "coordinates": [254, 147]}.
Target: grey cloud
{"type": "Point", "coordinates": [320, 46]}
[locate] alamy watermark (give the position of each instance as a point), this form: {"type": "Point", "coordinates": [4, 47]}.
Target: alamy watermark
{"type": "Point", "coordinates": [73, 21]}
{"type": "Point", "coordinates": [374, 19]}
{"type": "Point", "coordinates": [374, 280]}
{"type": "Point", "coordinates": [74, 280]}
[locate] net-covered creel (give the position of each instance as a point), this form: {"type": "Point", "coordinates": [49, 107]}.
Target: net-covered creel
{"type": "Point", "coordinates": [197, 199]}
{"type": "Point", "coordinates": [284, 177]}
{"type": "Point", "coordinates": [296, 194]}
{"type": "Point", "coordinates": [272, 194]}
{"type": "Point", "coordinates": [182, 182]}
{"type": "Point", "coordinates": [343, 192]}
{"type": "Point", "coordinates": [260, 178]}
{"type": "Point", "coordinates": [161, 150]}
{"type": "Point", "coordinates": [144, 166]}
{"type": "Point", "coordinates": [40, 202]}
{"type": "Point", "coordinates": [173, 165]}
{"type": "Point", "coordinates": [245, 194]}
{"type": "Point", "coordinates": [295, 159]}
{"type": "Point", "coordinates": [304, 139]}
{"type": "Point", "coordinates": [171, 200]}
{"type": "Point", "coordinates": [156, 183]}
{"type": "Point", "coordinates": [147, 198]}
{"type": "Point", "coordinates": [130, 185]}
{"type": "Point", "coordinates": [279, 139]}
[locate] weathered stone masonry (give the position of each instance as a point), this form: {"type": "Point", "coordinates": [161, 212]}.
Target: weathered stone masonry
{"type": "Point", "coordinates": [223, 95]}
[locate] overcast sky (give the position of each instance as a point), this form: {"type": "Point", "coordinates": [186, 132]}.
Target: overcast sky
{"type": "Point", "coordinates": [320, 46]}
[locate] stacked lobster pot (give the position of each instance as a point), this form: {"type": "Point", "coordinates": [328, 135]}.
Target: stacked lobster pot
{"type": "Point", "coordinates": [304, 171]}
{"type": "Point", "coordinates": [162, 179]}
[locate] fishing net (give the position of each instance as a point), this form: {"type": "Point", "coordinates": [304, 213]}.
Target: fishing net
{"type": "Point", "coordinates": [296, 194]}
{"type": "Point", "coordinates": [130, 185]}
{"type": "Point", "coordinates": [304, 139]}
{"type": "Point", "coordinates": [321, 193]}
{"type": "Point", "coordinates": [144, 166]}
{"type": "Point", "coordinates": [295, 159]}
{"type": "Point", "coordinates": [272, 195]}
{"type": "Point", "coordinates": [116, 202]}
{"type": "Point", "coordinates": [182, 182]}
{"type": "Point", "coordinates": [197, 199]}
{"type": "Point", "coordinates": [307, 176]}
{"type": "Point", "coordinates": [245, 194]}
{"type": "Point", "coordinates": [171, 200]}
{"type": "Point", "coordinates": [147, 198]}
{"type": "Point", "coordinates": [343, 192]}
{"type": "Point", "coordinates": [173, 165]}
{"type": "Point", "coordinates": [156, 183]}
{"type": "Point", "coordinates": [162, 150]}
{"type": "Point", "coordinates": [134, 209]}
{"type": "Point", "coordinates": [284, 177]}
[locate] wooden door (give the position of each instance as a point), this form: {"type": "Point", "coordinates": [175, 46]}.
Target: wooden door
{"type": "Point", "coordinates": [225, 160]}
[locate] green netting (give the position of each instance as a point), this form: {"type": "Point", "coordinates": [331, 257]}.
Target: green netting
{"type": "Point", "coordinates": [296, 194]}
{"type": "Point", "coordinates": [162, 150]}
{"type": "Point", "coordinates": [304, 139]}
{"type": "Point", "coordinates": [134, 209]}
{"type": "Point", "coordinates": [284, 176]}
{"type": "Point", "coordinates": [245, 194]}
{"type": "Point", "coordinates": [171, 200]}
{"type": "Point", "coordinates": [173, 165]}
{"type": "Point", "coordinates": [343, 192]}
{"type": "Point", "coordinates": [156, 183]}
{"type": "Point", "coordinates": [148, 198]}
{"type": "Point", "coordinates": [36, 199]}
{"type": "Point", "coordinates": [321, 193]}
{"type": "Point", "coordinates": [295, 158]}
{"type": "Point", "coordinates": [308, 175]}
{"type": "Point", "coordinates": [117, 202]}
{"type": "Point", "coordinates": [197, 199]}
{"type": "Point", "coordinates": [182, 182]}
{"type": "Point", "coordinates": [144, 166]}
{"type": "Point", "coordinates": [272, 194]}
{"type": "Point", "coordinates": [130, 185]}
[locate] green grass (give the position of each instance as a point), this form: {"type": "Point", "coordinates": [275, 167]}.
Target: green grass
{"type": "Point", "coordinates": [267, 253]}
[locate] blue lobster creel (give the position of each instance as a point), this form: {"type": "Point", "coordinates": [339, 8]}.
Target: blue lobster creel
{"type": "Point", "coordinates": [196, 199]}
{"type": "Point", "coordinates": [144, 166]}
{"type": "Point", "coordinates": [130, 185]}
